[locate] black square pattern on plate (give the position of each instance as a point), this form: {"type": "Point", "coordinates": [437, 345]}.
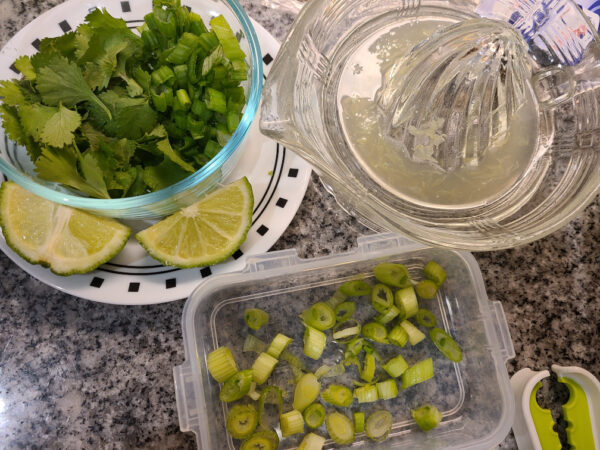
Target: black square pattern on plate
{"type": "Point", "coordinates": [64, 25]}
{"type": "Point", "coordinates": [262, 230]}
{"type": "Point", "coordinates": [134, 287]}
{"type": "Point", "coordinates": [14, 68]}
{"type": "Point", "coordinates": [267, 59]}
{"type": "Point", "coordinates": [125, 7]}
{"type": "Point", "coordinates": [96, 282]}
{"type": "Point", "coordinates": [293, 173]}
{"type": "Point", "coordinates": [205, 272]}
{"type": "Point", "coordinates": [171, 283]}
{"type": "Point", "coordinates": [238, 254]}
{"type": "Point", "coordinates": [36, 44]}
{"type": "Point", "coordinates": [281, 202]}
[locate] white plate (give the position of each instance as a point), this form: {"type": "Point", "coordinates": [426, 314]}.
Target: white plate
{"type": "Point", "coordinates": [279, 179]}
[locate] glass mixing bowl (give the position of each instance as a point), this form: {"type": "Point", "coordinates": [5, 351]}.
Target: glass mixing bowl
{"type": "Point", "coordinates": [467, 124]}
{"type": "Point", "coordinates": [16, 165]}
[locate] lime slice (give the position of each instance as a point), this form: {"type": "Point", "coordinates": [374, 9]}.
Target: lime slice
{"type": "Point", "coordinates": [204, 233]}
{"type": "Point", "coordinates": [62, 238]}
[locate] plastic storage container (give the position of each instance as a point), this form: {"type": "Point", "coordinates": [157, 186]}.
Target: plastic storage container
{"type": "Point", "coordinates": [474, 395]}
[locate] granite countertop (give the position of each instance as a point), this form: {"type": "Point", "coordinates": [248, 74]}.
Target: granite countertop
{"type": "Point", "coordinates": [79, 374]}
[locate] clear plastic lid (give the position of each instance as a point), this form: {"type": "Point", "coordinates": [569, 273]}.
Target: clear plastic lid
{"type": "Point", "coordinates": [474, 395]}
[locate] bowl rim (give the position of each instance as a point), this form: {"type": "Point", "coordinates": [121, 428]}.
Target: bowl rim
{"type": "Point", "coordinates": [140, 201]}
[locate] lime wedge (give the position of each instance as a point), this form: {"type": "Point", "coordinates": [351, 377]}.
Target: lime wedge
{"type": "Point", "coordinates": [204, 233]}
{"type": "Point", "coordinates": [62, 238]}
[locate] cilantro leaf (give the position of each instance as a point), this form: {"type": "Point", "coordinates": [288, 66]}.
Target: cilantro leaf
{"type": "Point", "coordinates": [91, 168]}
{"type": "Point", "coordinates": [25, 67]}
{"type": "Point", "coordinates": [163, 175]}
{"type": "Point", "coordinates": [165, 147]}
{"type": "Point", "coordinates": [34, 119]}
{"type": "Point", "coordinates": [62, 168]}
{"type": "Point", "coordinates": [59, 128]}
{"type": "Point", "coordinates": [11, 93]}
{"type": "Point", "coordinates": [15, 131]}
{"type": "Point", "coordinates": [62, 81]}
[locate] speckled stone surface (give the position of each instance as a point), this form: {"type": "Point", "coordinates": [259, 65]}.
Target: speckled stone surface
{"type": "Point", "coordinates": [78, 374]}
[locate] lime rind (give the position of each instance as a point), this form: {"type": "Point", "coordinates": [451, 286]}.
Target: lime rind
{"type": "Point", "coordinates": [59, 265]}
{"type": "Point", "coordinates": [150, 238]}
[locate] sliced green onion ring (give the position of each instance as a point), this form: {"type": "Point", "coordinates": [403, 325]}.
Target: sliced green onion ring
{"type": "Point", "coordinates": [314, 415]}
{"type": "Point", "coordinates": [312, 441]}
{"type": "Point", "coordinates": [444, 342]}
{"type": "Point", "coordinates": [406, 301]}
{"type": "Point", "coordinates": [367, 372]}
{"type": "Point", "coordinates": [331, 371]}
{"type": "Point", "coordinates": [291, 423]}
{"type": "Point", "coordinates": [395, 366]}
{"type": "Point", "coordinates": [398, 336]}
{"type": "Point", "coordinates": [221, 364]}
{"type": "Point", "coordinates": [314, 342]}
{"type": "Point", "coordinates": [388, 316]}
{"type": "Point", "coordinates": [355, 346]}
{"type": "Point", "coordinates": [426, 289]}
{"type": "Point", "coordinates": [261, 440]}
{"type": "Point", "coordinates": [319, 316]}
{"type": "Point", "coordinates": [270, 395]}
{"type": "Point", "coordinates": [426, 318]}
{"type": "Point", "coordinates": [346, 331]}
{"type": "Point", "coordinates": [337, 298]}
{"type": "Point", "coordinates": [427, 417]}
{"type": "Point", "coordinates": [417, 373]}
{"type": "Point", "coordinates": [344, 311]}
{"type": "Point", "coordinates": [434, 272]}
{"type": "Point", "coordinates": [254, 344]}
{"type": "Point", "coordinates": [376, 332]}
{"type": "Point", "coordinates": [278, 345]}
{"type": "Point", "coordinates": [241, 421]}
{"type": "Point", "coordinates": [236, 386]}
{"type": "Point", "coordinates": [340, 428]}
{"type": "Point", "coordinates": [414, 334]}
{"type": "Point", "coordinates": [387, 389]}
{"type": "Point", "coordinates": [263, 367]}
{"type": "Point", "coordinates": [359, 421]}
{"type": "Point", "coordinates": [355, 288]}
{"type": "Point", "coordinates": [395, 275]}
{"type": "Point", "coordinates": [255, 318]}
{"type": "Point", "coordinates": [337, 395]}
{"type": "Point", "coordinates": [378, 425]}
{"type": "Point", "coordinates": [382, 298]}
{"type": "Point", "coordinates": [366, 394]}
{"type": "Point", "coordinates": [307, 391]}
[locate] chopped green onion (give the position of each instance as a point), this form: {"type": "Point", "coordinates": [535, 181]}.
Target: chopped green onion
{"type": "Point", "coordinates": [359, 421]}
{"type": "Point", "coordinates": [434, 272]}
{"type": "Point", "coordinates": [355, 288]}
{"type": "Point", "coordinates": [346, 331]}
{"type": "Point", "coordinates": [291, 423]}
{"type": "Point", "coordinates": [414, 334]}
{"type": "Point", "coordinates": [242, 421]}
{"type": "Point", "coordinates": [253, 393]}
{"type": "Point", "coordinates": [426, 318]}
{"type": "Point", "coordinates": [366, 394]}
{"type": "Point", "coordinates": [263, 367]}
{"type": "Point", "coordinates": [337, 395]}
{"type": "Point", "coordinates": [314, 342]}
{"type": "Point", "coordinates": [236, 386]}
{"type": "Point", "coordinates": [426, 289]}
{"type": "Point", "coordinates": [398, 336]}
{"type": "Point", "coordinates": [254, 344]}
{"type": "Point", "coordinates": [278, 345]}
{"type": "Point", "coordinates": [215, 100]}
{"type": "Point", "coordinates": [227, 38]}
{"type": "Point", "coordinates": [427, 417]}
{"type": "Point", "coordinates": [344, 311]}
{"type": "Point", "coordinates": [186, 44]}
{"type": "Point", "coordinates": [378, 425]}
{"type": "Point", "coordinates": [406, 301]}
{"type": "Point", "coordinates": [292, 360]}
{"type": "Point", "coordinates": [233, 120]}
{"type": "Point", "coordinates": [162, 75]}
{"type": "Point", "coordinates": [255, 318]}
{"type": "Point", "coordinates": [395, 366]}
{"type": "Point", "coordinates": [312, 441]}
{"type": "Point", "coordinates": [388, 316]}
{"type": "Point", "coordinates": [261, 440]}
{"type": "Point", "coordinates": [271, 395]}
{"type": "Point", "coordinates": [417, 373]}
{"type": "Point", "coordinates": [355, 346]}
{"type": "Point", "coordinates": [387, 389]}
{"type": "Point", "coordinates": [337, 298]}
{"type": "Point", "coordinates": [375, 331]}
{"type": "Point", "coordinates": [367, 372]}
{"type": "Point", "coordinates": [395, 275]}
{"type": "Point", "coordinates": [319, 316]}
{"type": "Point", "coordinates": [445, 344]}
{"type": "Point", "coordinates": [307, 390]}
{"type": "Point", "coordinates": [340, 428]}
{"type": "Point", "coordinates": [314, 415]}
{"type": "Point", "coordinates": [221, 364]}
{"type": "Point", "coordinates": [382, 298]}
{"type": "Point", "coordinates": [330, 371]}
{"type": "Point", "coordinates": [183, 99]}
